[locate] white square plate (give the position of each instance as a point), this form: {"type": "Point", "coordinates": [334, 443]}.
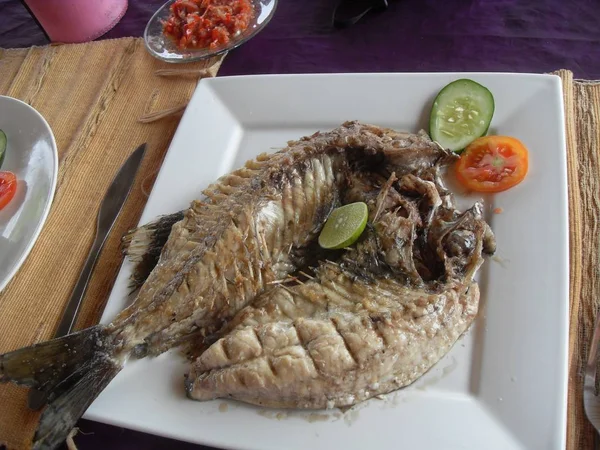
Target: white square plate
{"type": "Point", "coordinates": [503, 385]}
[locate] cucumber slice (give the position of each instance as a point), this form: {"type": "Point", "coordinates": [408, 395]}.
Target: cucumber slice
{"type": "Point", "coordinates": [462, 112]}
{"type": "Point", "coordinates": [2, 146]}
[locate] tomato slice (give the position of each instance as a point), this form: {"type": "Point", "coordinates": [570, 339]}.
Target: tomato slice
{"type": "Point", "coordinates": [492, 164]}
{"type": "Point", "coordinates": [8, 187]}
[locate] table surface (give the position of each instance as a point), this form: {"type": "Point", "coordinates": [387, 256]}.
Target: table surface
{"type": "Point", "coordinates": [410, 36]}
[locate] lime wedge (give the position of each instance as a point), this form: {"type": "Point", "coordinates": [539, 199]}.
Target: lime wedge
{"type": "Point", "coordinates": [2, 146]}
{"type": "Point", "coordinates": [344, 226]}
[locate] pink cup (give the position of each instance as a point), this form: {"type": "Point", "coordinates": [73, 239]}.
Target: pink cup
{"type": "Point", "coordinates": [76, 20]}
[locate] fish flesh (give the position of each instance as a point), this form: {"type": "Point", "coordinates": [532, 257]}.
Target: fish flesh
{"type": "Point", "coordinates": [366, 325]}
{"type": "Point", "coordinates": [253, 231]}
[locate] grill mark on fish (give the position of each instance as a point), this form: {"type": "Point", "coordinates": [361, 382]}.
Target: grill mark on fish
{"type": "Point", "coordinates": [258, 340]}
{"type": "Point", "coordinates": [225, 349]}
{"type": "Point", "coordinates": [242, 379]}
{"type": "Point", "coordinates": [286, 231]}
{"type": "Point", "coordinates": [309, 182]}
{"type": "Point", "coordinates": [299, 201]}
{"type": "Point", "coordinates": [304, 344]}
{"type": "Point", "coordinates": [336, 325]}
{"type": "Point", "coordinates": [375, 321]}
{"type": "Point", "coordinates": [271, 366]}
{"type": "Point", "coordinates": [292, 296]}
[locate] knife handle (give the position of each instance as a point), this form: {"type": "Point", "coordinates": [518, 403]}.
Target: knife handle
{"type": "Point", "coordinates": [37, 399]}
{"type": "Point", "coordinates": [71, 311]}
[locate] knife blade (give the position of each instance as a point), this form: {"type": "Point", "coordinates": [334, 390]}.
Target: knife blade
{"type": "Point", "coordinates": [111, 207]}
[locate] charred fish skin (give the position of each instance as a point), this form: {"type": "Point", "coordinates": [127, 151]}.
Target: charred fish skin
{"type": "Point", "coordinates": [220, 256]}
{"type": "Point", "coordinates": [406, 153]}
{"type": "Point", "coordinates": [252, 222]}
{"type": "Point", "coordinates": [345, 336]}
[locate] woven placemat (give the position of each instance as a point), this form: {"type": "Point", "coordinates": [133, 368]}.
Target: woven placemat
{"type": "Point", "coordinates": [582, 112]}
{"type": "Point", "coordinates": [93, 96]}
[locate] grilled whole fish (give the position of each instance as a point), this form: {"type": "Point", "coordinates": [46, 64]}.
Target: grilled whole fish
{"type": "Point", "coordinates": [368, 324]}
{"type": "Point", "coordinates": [253, 227]}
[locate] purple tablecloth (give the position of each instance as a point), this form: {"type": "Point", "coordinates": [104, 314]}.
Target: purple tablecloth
{"type": "Point", "coordinates": [412, 35]}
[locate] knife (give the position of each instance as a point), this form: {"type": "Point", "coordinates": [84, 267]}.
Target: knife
{"type": "Point", "coordinates": [110, 208]}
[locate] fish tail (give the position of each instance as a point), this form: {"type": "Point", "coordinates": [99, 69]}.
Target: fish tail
{"type": "Point", "coordinates": [143, 246]}
{"type": "Point", "coordinates": [70, 371]}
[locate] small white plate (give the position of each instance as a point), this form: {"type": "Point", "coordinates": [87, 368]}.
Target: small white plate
{"type": "Point", "coordinates": [32, 156]}
{"type": "Point", "coordinates": [503, 386]}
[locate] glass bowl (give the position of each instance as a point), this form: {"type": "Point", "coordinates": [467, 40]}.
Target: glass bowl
{"type": "Point", "coordinates": [164, 48]}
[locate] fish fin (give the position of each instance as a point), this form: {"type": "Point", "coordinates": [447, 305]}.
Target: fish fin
{"type": "Point", "coordinates": [61, 415]}
{"type": "Point", "coordinates": [71, 371]}
{"type": "Point", "coordinates": [143, 246]}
